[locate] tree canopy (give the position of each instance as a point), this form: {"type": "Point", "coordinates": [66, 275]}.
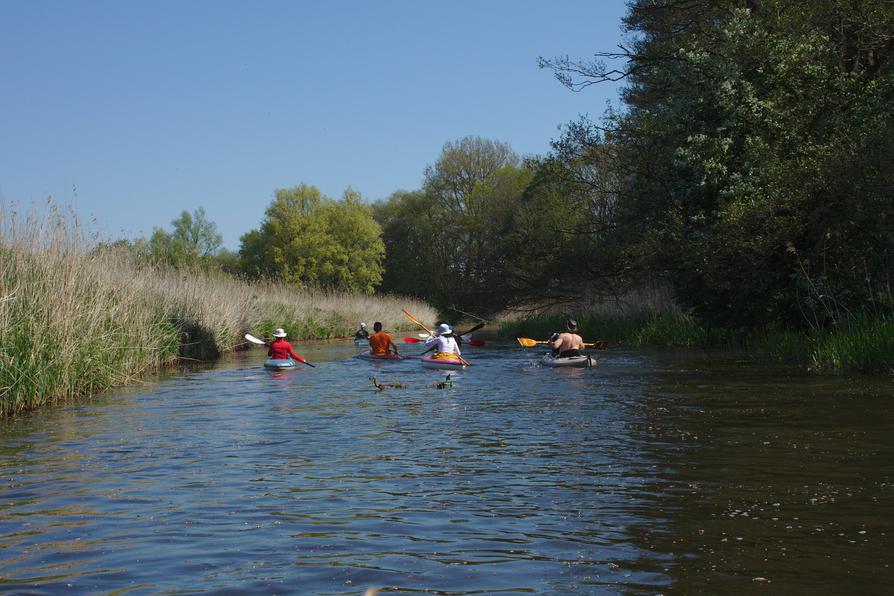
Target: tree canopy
{"type": "Point", "coordinates": [752, 154]}
{"type": "Point", "coordinates": [193, 241]}
{"type": "Point", "coordinates": [311, 240]}
{"type": "Point", "coordinates": [448, 241]}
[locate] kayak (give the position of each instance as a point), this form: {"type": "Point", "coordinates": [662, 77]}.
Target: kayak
{"type": "Point", "coordinates": [277, 363]}
{"type": "Point", "coordinates": [367, 355]}
{"type": "Point", "coordinates": [361, 342]}
{"type": "Point", "coordinates": [448, 363]}
{"type": "Point", "coordinates": [582, 361]}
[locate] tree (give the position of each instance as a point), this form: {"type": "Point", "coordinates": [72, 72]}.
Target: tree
{"type": "Point", "coordinates": [752, 154]}
{"type": "Point", "coordinates": [310, 240]}
{"type": "Point", "coordinates": [446, 242]}
{"type": "Point", "coordinates": [193, 241]}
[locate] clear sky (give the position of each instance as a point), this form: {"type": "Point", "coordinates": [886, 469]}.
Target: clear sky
{"type": "Point", "coordinates": [133, 111]}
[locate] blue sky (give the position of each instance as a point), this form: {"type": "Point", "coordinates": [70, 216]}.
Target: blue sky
{"type": "Point", "coordinates": [132, 111]}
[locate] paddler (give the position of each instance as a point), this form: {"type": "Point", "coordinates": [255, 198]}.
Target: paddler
{"type": "Point", "coordinates": [444, 342]}
{"type": "Point", "coordinates": [567, 344]}
{"type": "Point", "coordinates": [362, 333]}
{"type": "Point", "coordinates": [380, 342]}
{"type": "Point", "coordinates": [280, 349]}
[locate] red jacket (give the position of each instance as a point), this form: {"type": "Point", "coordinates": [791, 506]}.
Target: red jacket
{"type": "Point", "coordinates": [280, 349]}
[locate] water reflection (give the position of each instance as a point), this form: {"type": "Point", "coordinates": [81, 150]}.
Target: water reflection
{"type": "Point", "coordinates": [650, 473]}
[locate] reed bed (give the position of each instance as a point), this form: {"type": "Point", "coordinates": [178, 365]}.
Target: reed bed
{"type": "Point", "coordinates": [76, 321]}
{"type": "Point", "coordinates": [857, 343]}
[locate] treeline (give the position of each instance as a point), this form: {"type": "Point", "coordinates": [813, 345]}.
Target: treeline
{"type": "Point", "coordinates": [749, 171]}
{"type": "Point", "coordinates": [752, 164]}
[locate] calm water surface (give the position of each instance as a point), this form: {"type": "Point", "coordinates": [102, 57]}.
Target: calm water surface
{"type": "Point", "coordinates": [652, 473]}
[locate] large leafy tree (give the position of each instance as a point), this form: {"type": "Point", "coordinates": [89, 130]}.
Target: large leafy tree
{"type": "Point", "coordinates": [752, 153]}
{"type": "Point", "coordinates": [447, 241]}
{"type": "Point", "coordinates": [311, 240]}
{"type": "Point", "coordinates": [410, 222]}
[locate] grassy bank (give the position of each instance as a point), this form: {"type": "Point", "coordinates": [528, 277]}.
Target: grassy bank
{"type": "Point", "coordinates": [855, 344]}
{"type": "Point", "coordinates": [75, 322]}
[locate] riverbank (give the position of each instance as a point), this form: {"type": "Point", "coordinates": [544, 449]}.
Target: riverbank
{"type": "Point", "coordinates": [854, 344]}
{"type": "Point", "coordinates": [75, 322]}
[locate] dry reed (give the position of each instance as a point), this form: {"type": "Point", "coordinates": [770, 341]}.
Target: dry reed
{"type": "Point", "coordinates": [75, 321]}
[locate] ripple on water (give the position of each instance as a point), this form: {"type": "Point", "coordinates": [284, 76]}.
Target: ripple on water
{"type": "Point", "coordinates": [646, 473]}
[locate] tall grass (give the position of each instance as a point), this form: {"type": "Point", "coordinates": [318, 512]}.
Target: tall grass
{"type": "Point", "coordinates": [858, 343]}
{"type": "Point", "coordinates": [75, 321]}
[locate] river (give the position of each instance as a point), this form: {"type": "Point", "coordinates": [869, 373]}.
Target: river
{"type": "Point", "coordinates": [654, 472]}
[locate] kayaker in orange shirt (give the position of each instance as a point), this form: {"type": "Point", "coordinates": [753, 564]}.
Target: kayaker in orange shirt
{"type": "Point", "coordinates": [567, 344]}
{"type": "Point", "coordinates": [381, 343]}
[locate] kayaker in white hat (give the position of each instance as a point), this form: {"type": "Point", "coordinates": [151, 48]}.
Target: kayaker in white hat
{"type": "Point", "coordinates": [280, 349]}
{"type": "Point", "coordinates": [362, 333]}
{"type": "Point", "coordinates": [443, 342]}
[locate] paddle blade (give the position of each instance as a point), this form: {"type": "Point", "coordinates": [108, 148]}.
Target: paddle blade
{"type": "Point", "coordinates": [599, 345]}
{"type": "Point", "coordinates": [478, 343]}
{"type": "Point", "coordinates": [254, 339]}
{"type": "Point", "coordinates": [528, 342]}
{"type": "Point", "coordinates": [412, 340]}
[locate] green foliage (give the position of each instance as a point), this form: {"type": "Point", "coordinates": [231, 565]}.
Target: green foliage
{"type": "Point", "coordinates": [863, 344]}
{"type": "Point", "coordinates": [310, 240]}
{"type": "Point", "coordinates": [193, 241]}
{"type": "Point", "coordinates": [409, 223]}
{"type": "Point", "coordinates": [449, 241]}
{"type": "Point", "coordinates": [753, 157]}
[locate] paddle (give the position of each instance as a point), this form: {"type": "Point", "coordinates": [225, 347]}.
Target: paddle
{"type": "Point", "coordinates": [417, 321]}
{"type": "Point", "coordinates": [530, 343]}
{"type": "Point", "coordinates": [472, 330]}
{"type": "Point", "coordinates": [427, 330]}
{"type": "Point", "coordinates": [260, 342]}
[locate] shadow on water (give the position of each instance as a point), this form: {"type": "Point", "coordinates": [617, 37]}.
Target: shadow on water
{"type": "Point", "coordinates": [652, 472]}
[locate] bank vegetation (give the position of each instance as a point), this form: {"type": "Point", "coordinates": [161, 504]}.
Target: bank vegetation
{"type": "Point", "coordinates": [76, 319]}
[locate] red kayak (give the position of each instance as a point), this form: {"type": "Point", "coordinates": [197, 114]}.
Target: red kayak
{"type": "Point", "coordinates": [367, 355]}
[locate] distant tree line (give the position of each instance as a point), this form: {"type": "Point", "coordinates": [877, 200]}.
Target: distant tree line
{"type": "Point", "coordinates": [750, 169]}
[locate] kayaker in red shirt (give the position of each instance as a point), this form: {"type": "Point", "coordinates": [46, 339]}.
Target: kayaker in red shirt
{"type": "Point", "coordinates": [280, 349]}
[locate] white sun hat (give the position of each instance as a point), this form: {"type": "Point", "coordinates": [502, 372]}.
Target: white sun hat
{"type": "Point", "coordinates": [279, 333]}
{"type": "Point", "coordinates": [363, 324]}
{"type": "Point", "coordinates": [444, 329]}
